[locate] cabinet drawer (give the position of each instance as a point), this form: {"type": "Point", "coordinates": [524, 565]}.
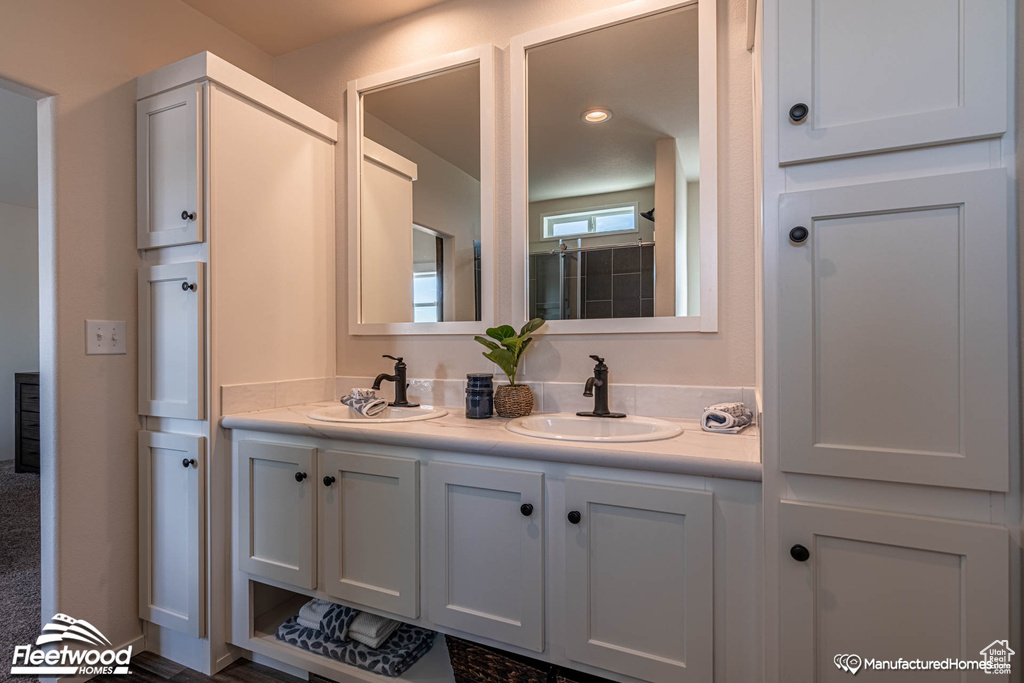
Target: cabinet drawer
{"type": "Point", "coordinates": [29, 398]}
{"type": "Point", "coordinates": [30, 424]}
{"type": "Point", "coordinates": [29, 453]}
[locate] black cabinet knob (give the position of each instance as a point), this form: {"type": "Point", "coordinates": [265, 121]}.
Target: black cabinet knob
{"type": "Point", "coordinates": [188, 462]}
{"type": "Point", "coordinates": [799, 234]}
{"type": "Point", "coordinates": [299, 476]}
{"type": "Point", "coordinates": [799, 553]}
{"type": "Point", "coordinates": [798, 112]}
{"type": "Point", "coordinates": [526, 509]}
{"type": "Point", "coordinates": [328, 480]}
{"type": "Point", "coordinates": [574, 517]}
{"type": "Point", "coordinates": [187, 216]}
{"type": "Point", "coordinates": [188, 286]}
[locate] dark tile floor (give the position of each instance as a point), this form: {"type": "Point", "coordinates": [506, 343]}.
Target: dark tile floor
{"type": "Point", "coordinates": [148, 667]}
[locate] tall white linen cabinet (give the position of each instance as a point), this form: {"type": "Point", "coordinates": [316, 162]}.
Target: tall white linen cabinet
{"type": "Point", "coordinates": [235, 238]}
{"type": "Point", "coordinates": [889, 379]}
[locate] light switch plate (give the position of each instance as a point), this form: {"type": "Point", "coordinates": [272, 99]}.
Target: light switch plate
{"type": "Point", "coordinates": [105, 337]}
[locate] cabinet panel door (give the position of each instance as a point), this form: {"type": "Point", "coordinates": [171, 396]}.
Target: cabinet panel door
{"type": "Point", "coordinates": [169, 162]}
{"type": "Point", "coordinates": [486, 557]}
{"type": "Point", "coordinates": [638, 580]}
{"type": "Point", "coordinates": [887, 586]}
{"type": "Point", "coordinates": [171, 343]}
{"type": "Point", "coordinates": [172, 575]}
{"type": "Point", "coordinates": [877, 75]}
{"type": "Point", "coordinates": [894, 331]}
{"type": "Point", "coordinates": [277, 512]}
{"type": "Point", "coordinates": [369, 526]}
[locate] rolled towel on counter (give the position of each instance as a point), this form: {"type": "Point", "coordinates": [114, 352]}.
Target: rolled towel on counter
{"type": "Point", "coordinates": [726, 418]}
{"type": "Point", "coordinates": [367, 407]}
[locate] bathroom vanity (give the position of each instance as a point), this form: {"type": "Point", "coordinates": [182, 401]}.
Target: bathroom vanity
{"type": "Point", "coordinates": [627, 560]}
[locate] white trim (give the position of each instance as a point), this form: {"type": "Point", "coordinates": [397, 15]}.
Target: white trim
{"type": "Point", "coordinates": [208, 66]}
{"type": "Point", "coordinates": [707, 19]}
{"type": "Point", "coordinates": [486, 56]}
{"type": "Point", "coordinates": [376, 152]}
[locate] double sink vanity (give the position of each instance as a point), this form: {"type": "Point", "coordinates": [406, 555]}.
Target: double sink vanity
{"type": "Point", "coordinates": [601, 544]}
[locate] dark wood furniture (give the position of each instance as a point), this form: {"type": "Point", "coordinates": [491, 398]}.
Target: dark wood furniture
{"type": "Point", "coordinates": [26, 422]}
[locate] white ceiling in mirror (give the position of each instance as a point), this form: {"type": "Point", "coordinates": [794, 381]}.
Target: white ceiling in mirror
{"type": "Point", "coordinates": [446, 119]}
{"type": "Point", "coordinates": [570, 77]}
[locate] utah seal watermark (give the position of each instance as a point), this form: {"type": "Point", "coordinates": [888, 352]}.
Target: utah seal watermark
{"type": "Point", "coordinates": [47, 659]}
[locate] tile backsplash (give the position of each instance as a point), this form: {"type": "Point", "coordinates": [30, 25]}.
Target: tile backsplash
{"type": "Point", "coordinates": [652, 400]}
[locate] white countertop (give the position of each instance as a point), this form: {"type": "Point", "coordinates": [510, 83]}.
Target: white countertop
{"type": "Point", "coordinates": [694, 452]}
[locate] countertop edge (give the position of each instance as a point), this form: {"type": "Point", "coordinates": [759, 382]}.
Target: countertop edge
{"type": "Point", "coordinates": [548, 451]}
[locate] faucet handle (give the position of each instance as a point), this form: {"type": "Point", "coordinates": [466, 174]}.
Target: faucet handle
{"type": "Point", "coordinates": [399, 359]}
{"type": "Point", "coordinates": [597, 358]}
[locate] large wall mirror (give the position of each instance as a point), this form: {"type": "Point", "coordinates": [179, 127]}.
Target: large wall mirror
{"type": "Point", "coordinates": [614, 170]}
{"type": "Point", "coordinates": [421, 170]}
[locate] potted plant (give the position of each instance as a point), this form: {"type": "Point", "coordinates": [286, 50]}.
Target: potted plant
{"type": "Point", "coordinates": [507, 347]}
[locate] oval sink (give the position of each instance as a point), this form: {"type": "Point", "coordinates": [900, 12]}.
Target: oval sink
{"type": "Point", "coordinates": [575, 428]}
{"type": "Point", "coordinates": [341, 413]}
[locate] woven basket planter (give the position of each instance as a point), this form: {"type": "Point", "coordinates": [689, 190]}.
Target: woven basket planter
{"type": "Point", "coordinates": [513, 401]}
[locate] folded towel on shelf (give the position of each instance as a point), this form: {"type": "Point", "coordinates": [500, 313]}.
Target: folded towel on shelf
{"type": "Point", "coordinates": [726, 418]}
{"type": "Point", "coordinates": [366, 406]}
{"type": "Point", "coordinates": [403, 649]}
{"type": "Point", "coordinates": [372, 630]}
{"type": "Point", "coordinates": [313, 612]}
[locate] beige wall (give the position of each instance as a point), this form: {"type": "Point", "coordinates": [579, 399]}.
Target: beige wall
{"type": "Point", "coordinates": [318, 76]}
{"type": "Point", "coordinates": [89, 52]}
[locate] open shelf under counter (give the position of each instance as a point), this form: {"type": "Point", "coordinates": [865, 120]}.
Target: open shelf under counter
{"type": "Point", "coordinates": [433, 667]}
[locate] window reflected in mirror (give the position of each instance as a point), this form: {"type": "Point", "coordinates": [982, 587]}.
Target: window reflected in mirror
{"type": "Point", "coordinates": [420, 200]}
{"type": "Point", "coordinates": [614, 174]}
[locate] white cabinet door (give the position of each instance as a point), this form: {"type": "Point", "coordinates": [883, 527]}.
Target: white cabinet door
{"type": "Point", "coordinates": [884, 586]}
{"type": "Point", "coordinates": [878, 74]}
{"type": "Point", "coordinates": [172, 576]}
{"type": "Point", "coordinates": [169, 150]}
{"type": "Point", "coordinates": [638, 579]}
{"type": "Point", "coordinates": [486, 552]}
{"type": "Point", "coordinates": [369, 530]}
{"type": "Point", "coordinates": [277, 512]}
{"type": "Point", "coordinates": [171, 342]}
{"type": "Point", "coordinates": [894, 350]}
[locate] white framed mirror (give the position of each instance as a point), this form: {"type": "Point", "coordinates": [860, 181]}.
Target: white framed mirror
{"type": "Point", "coordinates": [614, 170]}
{"type": "Point", "coordinates": [421, 197]}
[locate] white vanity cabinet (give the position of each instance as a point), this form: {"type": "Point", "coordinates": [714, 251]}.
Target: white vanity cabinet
{"type": "Point", "coordinates": [172, 368]}
{"type": "Point", "coordinates": [857, 77]}
{"type": "Point", "coordinates": [169, 167]}
{"type": "Point", "coordinates": [369, 530]}
{"type": "Point", "coordinates": [172, 476]}
{"type": "Point", "coordinates": [887, 586]}
{"type": "Point", "coordinates": [638, 579]}
{"type": "Point", "coordinates": [277, 512]}
{"type": "Point", "coordinates": [485, 552]}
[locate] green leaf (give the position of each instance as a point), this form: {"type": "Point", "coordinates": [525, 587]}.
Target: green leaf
{"type": "Point", "coordinates": [502, 332]}
{"type": "Point", "coordinates": [505, 360]}
{"type": "Point", "coordinates": [531, 326]}
{"type": "Point", "coordinates": [487, 342]}
{"type": "Point", "coordinates": [512, 344]}
{"type": "Point", "coordinates": [526, 342]}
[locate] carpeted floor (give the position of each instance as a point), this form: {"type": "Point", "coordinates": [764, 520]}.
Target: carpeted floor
{"type": "Point", "coordinates": [19, 562]}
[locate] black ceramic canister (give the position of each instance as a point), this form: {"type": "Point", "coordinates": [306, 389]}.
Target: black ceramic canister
{"type": "Point", "coordinates": [479, 395]}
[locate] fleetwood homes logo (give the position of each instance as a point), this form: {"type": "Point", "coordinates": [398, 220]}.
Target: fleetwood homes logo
{"type": "Point", "coordinates": [97, 657]}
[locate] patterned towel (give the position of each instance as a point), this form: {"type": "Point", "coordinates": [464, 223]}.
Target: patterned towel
{"type": "Point", "coordinates": [727, 418]}
{"type": "Point", "coordinates": [402, 650]}
{"type": "Point", "coordinates": [367, 407]}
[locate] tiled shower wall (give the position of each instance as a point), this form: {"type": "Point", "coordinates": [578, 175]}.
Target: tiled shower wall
{"type": "Point", "coordinates": [613, 283]}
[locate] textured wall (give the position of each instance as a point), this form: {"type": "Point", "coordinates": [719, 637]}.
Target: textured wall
{"type": "Point", "coordinates": [88, 53]}
{"type": "Point", "coordinates": [318, 75]}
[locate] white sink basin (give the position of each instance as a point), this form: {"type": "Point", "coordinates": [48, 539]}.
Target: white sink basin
{"type": "Point", "coordinates": [607, 429]}
{"type": "Point", "coordinates": [341, 413]}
